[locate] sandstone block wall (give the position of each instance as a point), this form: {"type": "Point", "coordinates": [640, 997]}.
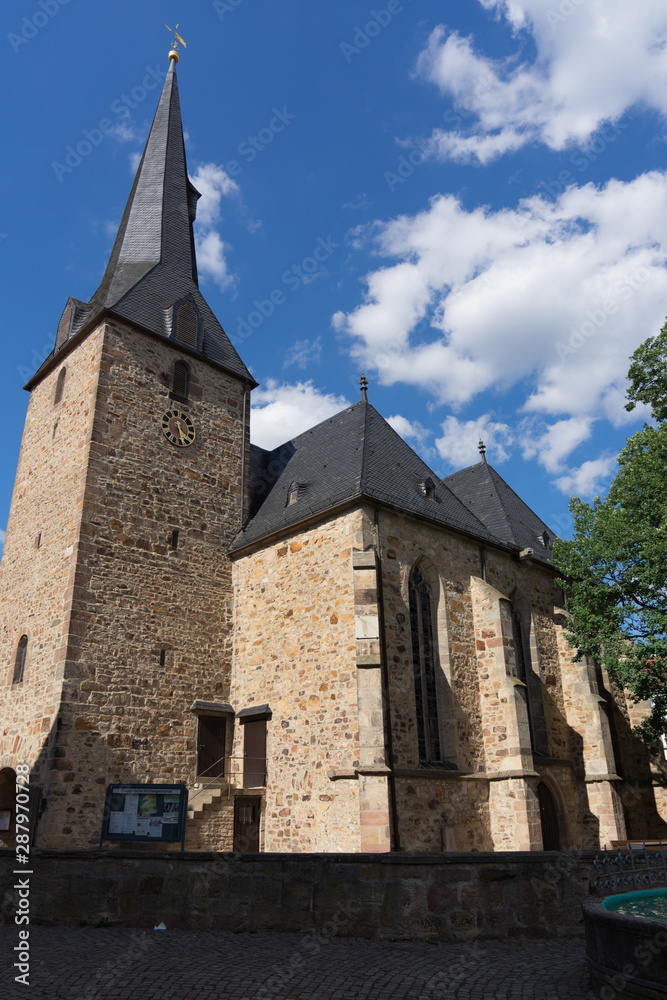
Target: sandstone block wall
{"type": "Point", "coordinates": [150, 624]}
{"type": "Point", "coordinates": [295, 650]}
{"type": "Point", "coordinates": [38, 569]}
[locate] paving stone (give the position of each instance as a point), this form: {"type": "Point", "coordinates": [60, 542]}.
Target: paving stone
{"type": "Point", "coordinates": [73, 963]}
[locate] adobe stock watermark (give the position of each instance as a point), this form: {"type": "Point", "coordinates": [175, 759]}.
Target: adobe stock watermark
{"type": "Point", "coordinates": [364, 34]}
{"type": "Point", "coordinates": [37, 359]}
{"type": "Point", "coordinates": [292, 279]}
{"type": "Point", "coordinates": [94, 137]}
{"type": "Point", "coordinates": [253, 145]}
{"type": "Point", "coordinates": [582, 159]}
{"type": "Point", "coordinates": [566, 8]}
{"type": "Point", "coordinates": [598, 316]}
{"type": "Point", "coordinates": [22, 883]}
{"type": "Point", "coordinates": [406, 165]}
{"type": "Point", "coordinates": [31, 26]}
{"type": "Point", "coordinates": [222, 7]}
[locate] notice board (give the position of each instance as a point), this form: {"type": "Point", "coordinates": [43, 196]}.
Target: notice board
{"type": "Point", "coordinates": [148, 813]}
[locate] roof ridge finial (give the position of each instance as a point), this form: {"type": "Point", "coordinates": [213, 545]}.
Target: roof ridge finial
{"type": "Point", "coordinates": [173, 55]}
{"type": "Point", "coordinates": [482, 450]}
{"type": "Point", "coordinates": [363, 382]}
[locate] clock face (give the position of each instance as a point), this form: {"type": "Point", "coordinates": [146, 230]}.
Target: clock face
{"type": "Point", "coordinates": [178, 428]}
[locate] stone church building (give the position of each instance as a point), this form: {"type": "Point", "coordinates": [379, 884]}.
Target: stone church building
{"type": "Point", "coordinates": [332, 647]}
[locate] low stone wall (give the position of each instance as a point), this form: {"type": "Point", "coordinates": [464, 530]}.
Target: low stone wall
{"type": "Point", "coordinates": [447, 897]}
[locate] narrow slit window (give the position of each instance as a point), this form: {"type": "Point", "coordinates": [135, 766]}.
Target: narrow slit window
{"type": "Point", "coordinates": [163, 657]}
{"type": "Point", "coordinates": [181, 380]}
{"type": "Point", "coordinates": [19, 663]}
{"type": "Point", "coordinates": [60, 386]}
{"type": "Point", "coordinates": [174, 539]}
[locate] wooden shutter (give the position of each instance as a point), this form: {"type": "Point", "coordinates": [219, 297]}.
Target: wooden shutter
{"type": "Point", "coordinates": [254, 754]}
{"type": "Point", "coordinates": [211, 746]}
{"type": "Point", "coordinates": [181, 378]}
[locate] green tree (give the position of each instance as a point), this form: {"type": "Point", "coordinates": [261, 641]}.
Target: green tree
{"type": "Point", "coordinates": [615, 569]}
{"type": "Point", "coordinates": [648, 376]}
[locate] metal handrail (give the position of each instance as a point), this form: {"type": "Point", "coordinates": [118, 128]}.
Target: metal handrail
{"type": "Point", "coordinates": [222, 773]}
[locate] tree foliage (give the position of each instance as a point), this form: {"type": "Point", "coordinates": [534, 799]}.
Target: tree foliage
{"type": "Point", "coordinates": [615, 569]}
{"type": "Point", "coordinates": [648, 376]}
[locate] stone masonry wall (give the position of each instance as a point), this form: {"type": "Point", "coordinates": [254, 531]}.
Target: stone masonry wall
{"type": "Point", "coordinates": [295, 651]}
{"type": "Point", "coordinates": [454, 897]}
{"type": "Point", "coordinates": [125, 715]}
{"type": "Point", "coordinates": [38, 567]}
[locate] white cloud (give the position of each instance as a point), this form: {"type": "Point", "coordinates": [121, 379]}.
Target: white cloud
{"type": "Point", "coordinates": [590, 479]}
{"type": "Point", "coordinates": [549, 299]}
{"type": "Point", "coordinates": [589, 67]}
{"type": "Point", "coordinates": [126, 130]}
{"type": "Point", "coordinates": [304, 352]}
{"type": "Point", "coordinates": [281, 410]}
{"type": "Point", "coordinates": [2, 537]}
{"type": "Point", "coordinates": [214, 183]}
{"type": "Point", "coordinates": [459, 444]}
{"type": "Point", "coordinates": [559, 440]}
{"type": "Point", "coordinates": [410, 430]}
{"type": "Point", "coordinates": [212, 260]}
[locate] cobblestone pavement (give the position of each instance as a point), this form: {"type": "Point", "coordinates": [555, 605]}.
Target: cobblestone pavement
{"type": "Point", "coordinates": [76, 963]}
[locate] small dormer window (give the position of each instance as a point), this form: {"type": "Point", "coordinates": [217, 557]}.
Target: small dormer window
{"type": "Point", "coordinates": [545, 539]}
{"type": "Point", "coordinates": [427, 488]}
{"type": "Point", "coordinates": [293, 493]}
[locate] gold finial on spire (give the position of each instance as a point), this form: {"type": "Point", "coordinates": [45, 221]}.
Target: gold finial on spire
{"type": "Point", "coordinates": [482, 449]}
{"type": "Point", "coordinates": [173, 55]}
{"type": "Point", "coordinates": [363, 382]}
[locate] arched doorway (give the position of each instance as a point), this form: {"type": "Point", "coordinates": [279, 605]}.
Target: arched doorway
{"type": "Point", "coordinates": [7, 807]}
{"type": "Point", "coordinates": [548, 818]}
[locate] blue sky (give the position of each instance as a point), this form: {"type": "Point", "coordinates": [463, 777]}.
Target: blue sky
{"type": "Point", "coordinates": [467, 201]}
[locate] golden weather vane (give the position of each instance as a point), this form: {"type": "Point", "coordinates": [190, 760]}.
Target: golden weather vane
{"type": "Point", "coordinates": [177, 38]}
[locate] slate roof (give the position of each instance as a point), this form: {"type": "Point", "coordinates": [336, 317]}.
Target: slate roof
{"type": "Point", "coordinates": [354, 454]}
{"type": "Point", "coordinates": [152, 263]}
{"type": "Point", "coordinates": [488, 497]}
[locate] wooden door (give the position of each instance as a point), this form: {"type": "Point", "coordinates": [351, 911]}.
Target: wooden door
{"type": "Point", "coordinates": [211, 746]}
{"type": "Point", "coordinates": [246, 823]}
{"type": "Point", "coordinates": [549, 819]}
{"type": "Point", "coordinates": [254, 754]}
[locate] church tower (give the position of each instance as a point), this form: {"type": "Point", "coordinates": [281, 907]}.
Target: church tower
{"type": "Point", "coordinates": [115, 584]}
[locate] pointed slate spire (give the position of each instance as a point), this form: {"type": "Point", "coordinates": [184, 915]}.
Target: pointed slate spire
{"type": "Point", "coordinates": [151, 278]}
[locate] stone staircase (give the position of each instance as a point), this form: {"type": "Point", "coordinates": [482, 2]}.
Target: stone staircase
{"type": "Point", "coordinates": [202, 798]}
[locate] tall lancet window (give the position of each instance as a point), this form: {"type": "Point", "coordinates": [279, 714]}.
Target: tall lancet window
{"type": "Point", "coordinates": [423, 659]}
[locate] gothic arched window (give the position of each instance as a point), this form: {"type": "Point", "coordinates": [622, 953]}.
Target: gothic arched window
{"type": "Point", "coordinates": [19, 662]}
{"type": "Point", "coordinates": [531, 692]}
{"type": "Point", "coordinates": [423, 660]}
